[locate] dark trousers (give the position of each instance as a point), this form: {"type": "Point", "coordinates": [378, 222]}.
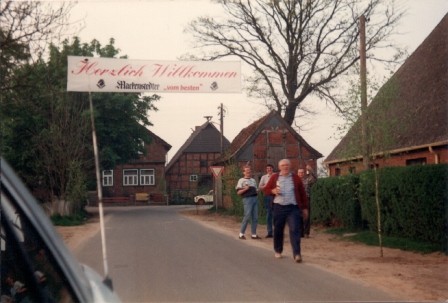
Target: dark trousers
{"type": "Point", "coordinates": [291, 215]}
{"type": "Point", "coordinates": [307, 222]}
{"type": "Point", "coordinates": [268, 206]}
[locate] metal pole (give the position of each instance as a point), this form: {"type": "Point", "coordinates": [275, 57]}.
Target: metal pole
{"type": "Point", "coordinates": [100, 194]}
{"type": "Point", "coordinates": [215, 194]}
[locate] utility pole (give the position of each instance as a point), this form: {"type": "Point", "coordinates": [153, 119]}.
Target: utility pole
{"type": "Point", "coordinates": [364, 118]}
{"type": "Point", "coordinates": [218, 178]}
{"type": "Point", "coordinates": [221, 125]}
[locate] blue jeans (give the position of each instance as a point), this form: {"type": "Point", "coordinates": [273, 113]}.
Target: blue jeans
{"type": "Point", "coordinates": [268, 205]}
{"type": "Point", "coordinates": [292, 215]}
{"type": "Point", "coordinates": [250, 212]}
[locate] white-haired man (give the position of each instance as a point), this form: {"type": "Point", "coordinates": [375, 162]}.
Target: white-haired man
{"type": "Point", "coordinates": [290, 206]}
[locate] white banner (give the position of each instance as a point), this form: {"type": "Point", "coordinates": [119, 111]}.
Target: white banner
{"type": "Point", "coordinates": [86, 74]}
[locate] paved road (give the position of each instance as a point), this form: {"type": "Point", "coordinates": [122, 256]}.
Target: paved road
{"type": "Point", "coordinates": [155, 255]}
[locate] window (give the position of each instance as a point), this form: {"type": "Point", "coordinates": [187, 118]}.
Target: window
{"type": "Point", "coordinates": [416, 161]}
{"type": "Point", "coordinates": [108, 178]}
{"type": "Point", "coordinates": [147, 177]}
{"type": "Point", "coordinates": [373, 166]}
{"type": "Point", "coordinates": [193, 178]}
{"type": "Point", "coordinates": [352, 170]}
{"type": "Point", "coordinates": [130, 177]}
{"type": "Point", "coordinates": [203, 163]}
{"type": "Point", "coordinates": [136, 177]}
{"type": "Point", "coordinates": [337, 172]}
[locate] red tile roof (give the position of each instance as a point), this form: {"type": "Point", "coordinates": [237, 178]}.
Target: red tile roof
{"type": "Point", "coordinates": [249, 133]}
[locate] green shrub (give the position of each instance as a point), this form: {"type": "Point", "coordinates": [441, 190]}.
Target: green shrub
{"type": "Point", "coordinates": [334, 202]}
{"type": "Point", "coordinates": [78, 219]}
{"type": "Point", "coordinates": [76, 188]}
{"type": "Point", "coordinates": [233, 173]}
{"type": "Point", "coordinates": [413, 202]}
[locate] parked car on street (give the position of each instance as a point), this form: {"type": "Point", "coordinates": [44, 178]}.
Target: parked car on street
{"type": "Point", "coordinates": [202, 199]}
{"type": "Point", "coordinates": [36, 266]}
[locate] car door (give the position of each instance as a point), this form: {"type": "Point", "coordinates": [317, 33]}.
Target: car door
{"type": "Point", "coordinates": [36, 266]}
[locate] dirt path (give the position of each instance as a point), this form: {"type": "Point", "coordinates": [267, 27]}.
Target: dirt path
{"type": "Point", "coordinates": [410, 276]}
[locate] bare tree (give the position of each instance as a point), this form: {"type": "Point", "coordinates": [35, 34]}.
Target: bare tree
{"type": "Point", "coordinates": [26, 29]}
{"type": "Point", "coordinates": [296, 48]}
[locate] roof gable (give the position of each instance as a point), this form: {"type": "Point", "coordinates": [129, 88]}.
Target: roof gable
{"type": "Point", "coordinates": [410, 110]}
{"type": "Point", "coordinates": [204, 139]}
{"type": "Point", "coordinates": [249, 133]}
{"type": "Point", "coordinates": [158, 139]}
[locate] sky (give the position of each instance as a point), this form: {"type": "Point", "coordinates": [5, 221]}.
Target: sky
{"type": "Point", "coordinates": [154, 30]}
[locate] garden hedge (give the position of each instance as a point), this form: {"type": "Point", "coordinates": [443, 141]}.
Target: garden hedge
{"type": "Point", "coordinates": [413, 202]}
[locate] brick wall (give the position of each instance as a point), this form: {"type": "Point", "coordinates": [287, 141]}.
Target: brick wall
{"type": "Point", "coordinates": [154, 159]}
{"type": "Point", "coordinates": [438, 155]}
{"type": "Point", "coordinates": [178, 177]}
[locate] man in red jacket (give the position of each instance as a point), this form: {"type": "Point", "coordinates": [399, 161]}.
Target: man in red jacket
{"type": "Point", "coordinates": [290, 206]}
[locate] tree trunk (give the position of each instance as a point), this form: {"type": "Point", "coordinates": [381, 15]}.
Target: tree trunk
{"type": "Point", "coordinates": [61, 207]}
{"type": "Point", "coordinates": [290, 112]}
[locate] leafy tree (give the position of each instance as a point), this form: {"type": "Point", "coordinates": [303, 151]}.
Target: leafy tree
{"type": "Point", "coordinates": [119, 117]}
{"type": "Point", "coordinates": [120, 137]}
{"type": "Point", "coordinates": [46, 131]}
{"type": "Point", "coordinates": [296, 48]}
{"type": "Point", "coordinates": [349, 110]}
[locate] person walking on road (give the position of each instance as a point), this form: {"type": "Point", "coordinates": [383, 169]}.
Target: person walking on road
{"type": "Point", "coordinates": [290, 206]}
{"type": "Point", "coordinates": [267, 199]}
{"type": "Point", "coordinates": [247, 188]}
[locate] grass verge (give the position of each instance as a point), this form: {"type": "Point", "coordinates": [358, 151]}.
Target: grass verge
{"type": "Point", "coordinates": [371, 238]}
{"type": "Point", "coordinates": [59, 220]}
{"type": "Point", "coordinates": [365, 237]}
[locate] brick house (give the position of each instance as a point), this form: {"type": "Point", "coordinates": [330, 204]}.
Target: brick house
{"type": "Point", "coordinates": [143, 175]}
{"type": "Point", "coordinates": [408, 116]}
{"type": "Point", "coordinates": [188, 172]}
{"type": "Point", "coordinates": [267, 141]}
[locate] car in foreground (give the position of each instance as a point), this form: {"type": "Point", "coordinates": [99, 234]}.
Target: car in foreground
{"type": "Point", "coordinates": [36, 266]}
{"type": "Point", "coordinates": [202, 199]}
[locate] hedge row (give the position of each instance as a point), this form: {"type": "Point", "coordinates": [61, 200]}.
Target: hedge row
{"type": "Point", "coordinates": [413, 202]}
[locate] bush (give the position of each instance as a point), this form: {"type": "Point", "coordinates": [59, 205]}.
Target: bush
{"type": "Point", "coordinates": [233, 173]}
{"type": "Point", "coordinates": [76, 188]}
{"type": "Point", "coordinates": [78, 219]}
{"type": "Point", "coordinates": [334, 202]}
{"type": "Point", "coordinates": [413, 202]}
